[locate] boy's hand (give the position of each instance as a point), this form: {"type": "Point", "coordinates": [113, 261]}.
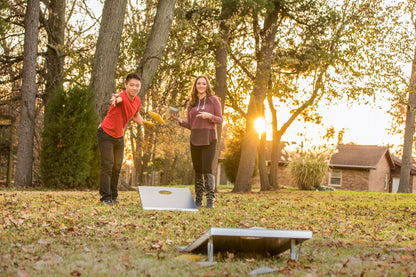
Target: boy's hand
{"type": "Point", "coordinates": [114, 97]}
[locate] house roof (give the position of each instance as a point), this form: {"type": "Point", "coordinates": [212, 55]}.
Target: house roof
{"type": "Point", "coordinates": [398, 162]}
{"type": "Point", "coordinates": [360, 156]}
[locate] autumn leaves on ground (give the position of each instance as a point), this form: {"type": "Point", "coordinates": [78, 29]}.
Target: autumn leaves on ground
{"type": "Point", "coordinates": [69, 233]}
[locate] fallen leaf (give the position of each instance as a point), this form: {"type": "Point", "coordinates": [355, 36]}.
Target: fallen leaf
{"type": "Point", "coordinates": [75, 273]}
{"type": "Point", "coordinates": [293, 263]}
{"type": "Point", "coordinates": [21, 273]}
{"type": "Point", "coordinates": [211, 274]}
{"type": "Point", "coordinates": [252, 260]}
{"type": "Point", "coordinates": [407, 258]}
{"type": "Point", "coordinates": [40, 264]}
{"type": "Point", "coordinates": [230, 256]}
{"type": "Point", "coordinates": [156, 246]}
{"type": "Point", "coordinates": [284, 270]}
{"type": "Point", "coordinates": [43, 242]}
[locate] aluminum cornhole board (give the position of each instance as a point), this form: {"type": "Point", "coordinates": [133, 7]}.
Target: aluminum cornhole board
{"type": "Point", "coordinates": [253, 240]}
{"type": "Point", "coordinates": [166, 198]}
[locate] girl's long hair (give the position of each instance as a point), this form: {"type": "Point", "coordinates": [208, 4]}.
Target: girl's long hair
{"type": "Point", "coordinates": [194, 92]}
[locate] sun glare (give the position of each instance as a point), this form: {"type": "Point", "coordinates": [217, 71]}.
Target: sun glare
{"type": "Point", "coordinates": [260, 125]}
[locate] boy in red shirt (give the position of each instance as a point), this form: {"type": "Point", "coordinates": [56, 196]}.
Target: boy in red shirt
{"type": "Point", "coordinates": [110, 136]}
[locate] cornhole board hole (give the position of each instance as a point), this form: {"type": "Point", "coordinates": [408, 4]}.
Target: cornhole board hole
{"type": "Point", "coordinates": [165, 198]}
{"type": "Point", "coordinates": [253, 240]}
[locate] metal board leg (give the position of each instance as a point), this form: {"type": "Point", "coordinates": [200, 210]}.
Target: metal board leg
{"type": "Point", "coordinates": [210, 249]}
{"type": "Point", "coordinates": [293, 255]}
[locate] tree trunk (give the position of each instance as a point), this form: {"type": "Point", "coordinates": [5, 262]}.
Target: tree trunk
{"type": "Point", "coordinates": [27, 114]}
{"type": "Point", "coordinates": [256, 106]}
{"type": "Point", "coordinates": [277, 146]}
{"type": "Point", "coordinates": [146, 143]}
{"type": "Point", "coordinates": [221, 76]}
{"type": "Point", "coordinates": [156, 44]}
{"type": "Point", "coordinates": [138, 158]}
{"type": "Point", "coordinates": [106, 54]}
{"type": "Point", "coordinates": [264, 176]}
{"type": "Point", "coordinates": [11, 151]}
{"type": "Point", "coordinates": [150, 62]}
{"type": "Point", "coordinates": [404, 185]}
{"type": "Point", "coordinates": [135, 154]}
{"type": "Point", "coordinates": [55, 29]}
{"type": "Point", "coordinates": [274, 165]}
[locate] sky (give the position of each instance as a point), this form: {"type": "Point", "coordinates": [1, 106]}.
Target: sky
{"type": "Point", "coordinates": [363, 124]}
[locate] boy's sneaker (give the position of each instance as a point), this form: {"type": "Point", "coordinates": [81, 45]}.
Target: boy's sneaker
{"type": "Point", "coordinates": [107, 202]}
{"type": "Point", "coordinates": [115, 202]}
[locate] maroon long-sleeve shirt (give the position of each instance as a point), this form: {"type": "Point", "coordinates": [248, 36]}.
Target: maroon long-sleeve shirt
{"type": "Point", "coordinates": [203, 131]}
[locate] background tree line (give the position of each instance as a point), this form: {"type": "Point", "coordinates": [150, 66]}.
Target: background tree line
{"type": "Point", "coordinates": [301, 54]}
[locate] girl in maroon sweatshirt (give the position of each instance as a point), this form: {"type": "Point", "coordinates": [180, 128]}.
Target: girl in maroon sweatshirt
{"type": "Point", "coordinates": [203, 114]}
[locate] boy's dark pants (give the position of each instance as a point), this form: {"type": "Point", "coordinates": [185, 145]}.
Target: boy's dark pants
{"type": "Point", "coordinates": [111, 154]}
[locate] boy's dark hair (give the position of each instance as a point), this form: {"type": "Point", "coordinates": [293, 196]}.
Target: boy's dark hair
{"type": "Point", "coordinates": [132, 76]}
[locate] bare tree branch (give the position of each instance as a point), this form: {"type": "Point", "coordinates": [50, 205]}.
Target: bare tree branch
{"type": "Point", "coordinates": [234, 105]}
{"type": "Point", "coordinates": [240, 64]}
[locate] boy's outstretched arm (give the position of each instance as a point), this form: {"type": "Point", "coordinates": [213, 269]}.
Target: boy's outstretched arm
{"type": "Point", "coordinates": [138, 119]}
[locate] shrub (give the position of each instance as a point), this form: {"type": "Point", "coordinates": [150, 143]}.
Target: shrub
{"type": "Point", "coordinates": [308, 170]}
{"type": "Point", "coordinates": [69, 140]}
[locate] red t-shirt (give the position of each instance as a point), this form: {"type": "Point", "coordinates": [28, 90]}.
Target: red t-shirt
{"type": "Point", "coordinates": [118, 116]}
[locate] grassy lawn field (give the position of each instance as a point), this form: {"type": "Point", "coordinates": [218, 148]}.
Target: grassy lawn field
{"type": "Point", "coordinates": [69, 233]}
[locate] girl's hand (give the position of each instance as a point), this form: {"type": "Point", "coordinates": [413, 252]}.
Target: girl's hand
{"type": "Point", "coordinates": [204, 115]}
{"type": "Point", "coordinates": [176, 117]}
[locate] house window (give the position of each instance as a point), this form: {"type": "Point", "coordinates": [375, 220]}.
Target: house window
{"type": "Point", "coordinates": [386, 182]}
{"type": "Point", "coordinates": [335, 177]}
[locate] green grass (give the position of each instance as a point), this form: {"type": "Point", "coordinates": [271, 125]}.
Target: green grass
{"type": "Point", "coordinates": [64, 233]}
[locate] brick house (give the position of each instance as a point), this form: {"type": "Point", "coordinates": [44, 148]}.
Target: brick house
{"type": "Point", "coordinates": [365, 168]}
{"type": "Point", "coordinates": [355, 168]}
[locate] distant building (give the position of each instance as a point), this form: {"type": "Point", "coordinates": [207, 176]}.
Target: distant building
{"type": "Point", "coordinates": [366, 168]}
{"type": "Point", "coordinates": [361, 168]}
{"type": "Point", "coordinates": [395, 176]}
{"type": "Point", "coordinates": [356, 168]}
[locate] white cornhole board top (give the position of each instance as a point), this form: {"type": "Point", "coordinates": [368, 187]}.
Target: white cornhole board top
{"type": "Point", "coordinates": [253, 240]}
{"type": "Point", "coordinates": [166, 198]}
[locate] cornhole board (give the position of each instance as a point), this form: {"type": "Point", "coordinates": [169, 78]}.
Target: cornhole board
{"type": "Point", "coordinates": [253, 240]}
{"type": "Point", "coordinates": [166, 198]}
